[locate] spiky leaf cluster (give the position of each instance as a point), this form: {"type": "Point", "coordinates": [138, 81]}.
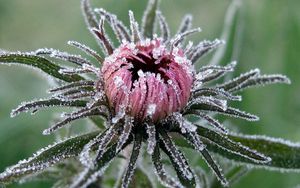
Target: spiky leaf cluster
{"type": "Point", "coordinates": [120, 135]}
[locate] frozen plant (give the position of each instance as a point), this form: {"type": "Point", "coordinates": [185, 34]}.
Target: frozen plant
{"type": "Point", "coordinates": [148, 102]}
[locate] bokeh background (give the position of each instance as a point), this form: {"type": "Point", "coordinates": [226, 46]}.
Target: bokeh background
{"type": "Point", "coordinates": [269, 39]}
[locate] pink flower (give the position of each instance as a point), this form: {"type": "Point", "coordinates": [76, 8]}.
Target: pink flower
{"type": "Point", "coordinates": [147, 79]}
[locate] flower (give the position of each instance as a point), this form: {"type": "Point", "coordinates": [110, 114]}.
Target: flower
{"type": "Point", "coordinates": [145, 91]}
{"type": "Point", "coordinates": [146, 80]}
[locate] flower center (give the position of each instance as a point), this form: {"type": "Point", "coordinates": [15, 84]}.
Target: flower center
{"type": "Point", "coordinates": [147, 80]}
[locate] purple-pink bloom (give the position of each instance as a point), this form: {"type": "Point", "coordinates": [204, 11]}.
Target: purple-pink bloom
{"type": "Point", "coordinates": [147, 79]}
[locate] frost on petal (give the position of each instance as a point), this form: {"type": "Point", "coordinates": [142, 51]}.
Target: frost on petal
{"type": "Point", "coordinates": [142, 80]}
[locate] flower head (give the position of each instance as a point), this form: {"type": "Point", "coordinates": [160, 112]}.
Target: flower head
{"type": "Point", "coordinates": [145, 90]}
{"type": "Point", "coordinates": [147, 80]}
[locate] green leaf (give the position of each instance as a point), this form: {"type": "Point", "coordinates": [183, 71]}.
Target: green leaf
{"type": "Point", "coordinates": [89, 15]}
{"type": "Point", "coordinates": [149, 19]}
{"type": "Point", "coordinates": [233, 175]}
{"type": "Point", "coordinates": [37, 62]}
{"type": "Point", "coordinates": [47, 157]}
{"type": "Point", "coordinates": [217, 140]}
{"type": "Point", "coordinates": [107, 157]}
{"type": "Point", "coordinates": [284, 155]}
{"type": "Point", "coordinates": [231, 34]}
{"type": "Point", "coordinates": [178, 160]}
{"type": "Point", "coordinates": [44, 103]}
{"type": "Point", "coordinates": [98, 121]}
{"type": "Point", "coordinates": [140, 179]}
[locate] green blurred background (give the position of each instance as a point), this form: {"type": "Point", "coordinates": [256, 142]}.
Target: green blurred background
{"type": "Point", "coordinates": [270, 40]}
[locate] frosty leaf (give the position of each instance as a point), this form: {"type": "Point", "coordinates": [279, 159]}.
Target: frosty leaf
{"type": "Point", "coordinates": [151, 132]}
{"type": "Point", "coordinates": [70, 118]}
{"type": "Point", "coordinates": [87, 50]}
{"type": "Point", "coordinates": [215, 123]}
{"type": "Point", "coordinates": [178, 160]}
{"type": "Point", "coordinates": [134, 27]}
{"type": "Point", "coordinates": [104, 142]}
{"type": "Point", "coordinates": [214, 166]}
{"type": "Point", "coordinates": [47, 157]}
{"type": "Point", "coordinates": [185, 24]}
{"type": "Point", "coordinates": [215, 92]}
{"type": "Point", "coordinates": [103, 38]}
{"type": "Point", "coordinates": [219, 142]}
{"type": "Point", "coordinates": [161, 173]}
{"type": "Point", "coordinates": [149, 19]}
{"type": "Point", "coordinates": [207, 103]}
{"type": "Point", "coordinates": [76, 59]}
{"type": "Point", "coordinates": [84, 177]}
{"type": "Point", "coordinates": [179, 37]}
{"type": "Point", "coordinates": [85, 156]}
{"type": "Point", "coordinates": [73, 85]}
{"type": "Point", "coordinates": [37, 62]}
{"type": "Point", "coordinates": [90, 17]}
{"type": "Point", "coordinates": [164, 28]}
{"type": "Point", "coordinates": [281, 155]}
{"type": "Point", "coordinates": [235, 83]}
{"type": "Point", "coordinates": [233, 175]}
{"type": "Point", "coordinates": [45, 103]}
{"type": "Point", "coordinates": [140, 179]}
{"type": "Point", "coordinates": [262, 80]}
{"type": "Point", "coordinates": [127, 127]}
{"type": "Point", "coordinates": [127, 178]}
{"type": "Point", "coordinates": [203, 48]}
{"type": "Point", "coordinates": [285, 155]}
{"type": "Point", "coordinates": [194, 140]}
{"type": "Point", "coordinates": [222, 141]}
{"type": "Point", "coordinates": [117, 25]}
{"type": "Point", "coordinates": [229, 111]}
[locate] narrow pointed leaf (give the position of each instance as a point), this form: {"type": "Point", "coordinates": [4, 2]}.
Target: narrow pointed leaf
{"type": "Point", "coordinates": [107, 157]}
{"type": "Point", "coordinates": [161, 173]}
{"type": "Point", "coordinates": [89, 15]}
{"type": "Point", "coordinates": [140, 179]}
{"type": "Point", "coordinates": [285, 155]}
{"type": "Point", "coordinates": [47, 157]}
{"type": "Point", "coordinates": [214, 140]}
{"type": "Point", "coordinates": [39, 63]}
{"type": "Point", "coordinates": [271, 153]}
{"type": "Point", "coordinates": [44, 103]}
{"type": "Point", "coordinates": [231, 34]}
{"type": "Point", "coordinates": [127, 178]}
{"type": "Point", "coordinates": [149, 19]}
{"type": "Point", "coordinates": [233, 175]}
{"type": "Point", "coordinates": [178, 161]}
{"type": "Point", "coordinates": [214, 166]}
